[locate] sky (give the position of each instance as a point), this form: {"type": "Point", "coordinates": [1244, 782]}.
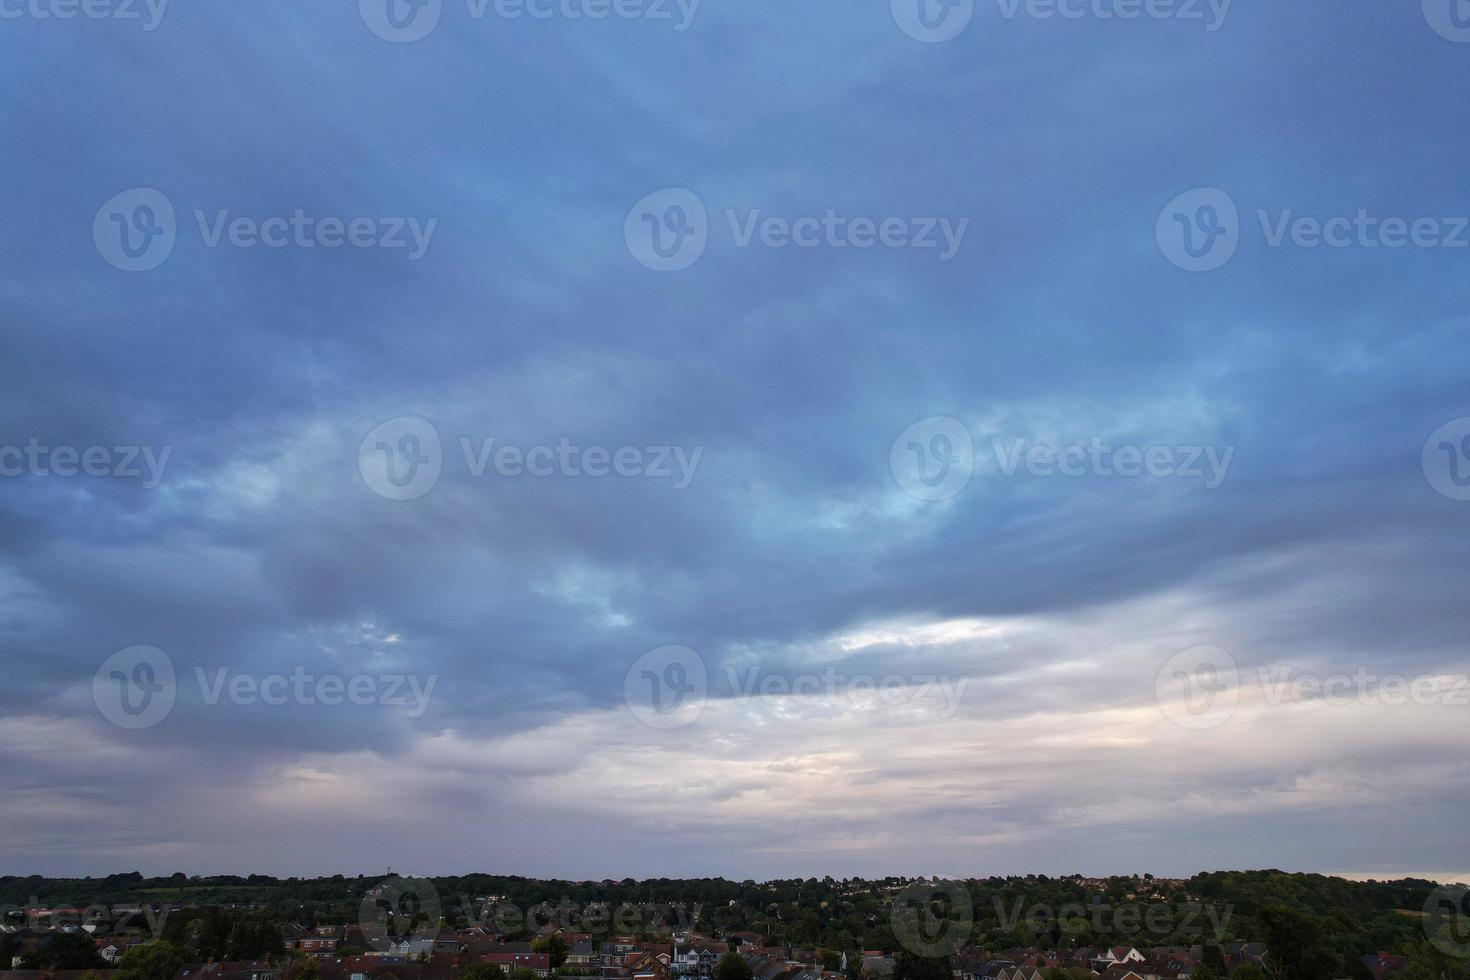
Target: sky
{"type": "Point", "coordinates": [627, 439]}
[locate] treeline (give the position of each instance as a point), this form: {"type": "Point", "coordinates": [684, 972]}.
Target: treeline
{"type": "Point", "coordinates": [208, 934]}
{"type": "Point", "coordinates": [1320, 924]}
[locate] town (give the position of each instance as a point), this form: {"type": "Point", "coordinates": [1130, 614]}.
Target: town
{"type": "Point", "coordinates": [1212, 927]}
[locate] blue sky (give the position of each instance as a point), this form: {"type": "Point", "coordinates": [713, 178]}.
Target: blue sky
{"type": "Point", "coordinates": [771, 518]}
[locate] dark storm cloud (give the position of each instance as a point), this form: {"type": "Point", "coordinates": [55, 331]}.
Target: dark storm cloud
{"type": "Point", "coordinates": [527, 320]}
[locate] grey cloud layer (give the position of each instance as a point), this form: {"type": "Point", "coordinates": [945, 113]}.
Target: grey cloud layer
{"type": "Point", "coordinates": [528, 321]}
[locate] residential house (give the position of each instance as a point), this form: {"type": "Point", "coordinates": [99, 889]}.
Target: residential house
{"type": "Point", "coordinates": [113, 948]}
{"type": "Point", "coordinates": [698, 959]}
{"type": "Point", "coordinates": [1121, 954]}
{"type": "Point", "coordinates": [647, 966]}
{"type": "Point", "coordinates": [537, 963]}
{"type": "Point", "coordinates": [410, 948]}
{"type": "Point", "coordinates": [1382, 964]}
{"type": "Point", "coordinates": [581, 955]}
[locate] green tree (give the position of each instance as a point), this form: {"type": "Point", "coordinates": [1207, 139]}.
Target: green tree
{"type": "Point", "coordinates": [482, 971]}
{"type": "Point", "coordinates": [732, 966]}
{"type": "Point", "coordinates": [1249, 971]}
{"type": "Point", "coordinates": [302, 968]}
{"type": "Point", "coordinates": [1203, 971]}
{"type": "Point", "coordinates": [554, 946]}
{"type": "Point", "coordinates": [907, 966]}
{"type": "Point", "coordinates": [159, 960]}
{"type": "Point", "coordinates": [268, 942]}
{"type": "Point", "coordinates": [65, 951]}
{"type": "Point", "coordinates": [1296, 945]}
{"type": "Point", "coordinates": [1428, 963]}
{"type": "Point", "coordinates": [211, 936]}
